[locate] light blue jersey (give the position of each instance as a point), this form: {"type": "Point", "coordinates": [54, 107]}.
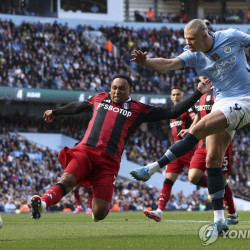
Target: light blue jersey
{"type": "Point", "coordinates": [225, 64]}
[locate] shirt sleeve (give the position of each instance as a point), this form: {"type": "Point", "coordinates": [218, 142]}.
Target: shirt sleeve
{"type": "Point", "coordinates": [188, 59]}
{"type": "Point", "coordinates": [157, 113]}
{"type": "Point", "coordinates": [74, 107]}
{"type": "Point", "coordinates": [242, 37]}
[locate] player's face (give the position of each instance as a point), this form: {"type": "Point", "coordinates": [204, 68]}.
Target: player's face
{"type": "Point", "coordinates": [177, 96]}
{"type": "Point", "coordinates": [120, 90]}
{"type": "Point", "coordinates": [194, 40]}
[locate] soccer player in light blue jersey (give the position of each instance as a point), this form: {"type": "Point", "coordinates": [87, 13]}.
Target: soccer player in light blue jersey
{"type": "Point", "coordinates": [220, 57]}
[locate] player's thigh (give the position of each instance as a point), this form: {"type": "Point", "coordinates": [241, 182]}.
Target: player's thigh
{"type": "Point", "coordinates": [212, 123]}
{"type": "Point", "coordinates": [216, 145]}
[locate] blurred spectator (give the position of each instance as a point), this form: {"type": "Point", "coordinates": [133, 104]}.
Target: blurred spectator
{"type": "Point", "coordinates": [150, 15]}
{"type": "Point", "coordinates": [184, 17]}
{"type": "Point", "coordinates": [248, 16]}
{"type": "Point", "coordinates": [9, 206]}
{"type": "Point", "coordinates": [138, 17]}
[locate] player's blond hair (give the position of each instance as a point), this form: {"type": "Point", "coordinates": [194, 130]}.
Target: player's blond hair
{"type": "Point", "coordinates": [198, 25]}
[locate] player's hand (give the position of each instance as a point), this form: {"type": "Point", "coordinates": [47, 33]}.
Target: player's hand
{"type": "Point", "coordinates": [48, 116]}
{"type": "Point", "coordinates": [139, 57]}
{"type": "Point", "coordinates": [204, 85]}
{"type": "Point", "coordinates": [183, 133]}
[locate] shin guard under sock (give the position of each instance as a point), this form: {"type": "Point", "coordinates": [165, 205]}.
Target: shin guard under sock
{"type": "Point", "coordinates": [216, 187]}
{"type": "Point", "coordinates": [178, 149]}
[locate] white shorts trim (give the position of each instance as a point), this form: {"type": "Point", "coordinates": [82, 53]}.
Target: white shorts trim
{"type": "Point", "coordinates": [236, 111]}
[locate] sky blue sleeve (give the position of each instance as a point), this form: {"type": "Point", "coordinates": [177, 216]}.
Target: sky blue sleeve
{"type": "Point", "coordinates": [243, 38]}
{"type": "Point", "coordinates": [187, 58]}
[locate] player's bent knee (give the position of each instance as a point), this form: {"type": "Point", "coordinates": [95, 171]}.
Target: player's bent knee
{"type": "Point", "coordinates": [194, 179]}
{"type": "Point", "coordinates": [100, 214]}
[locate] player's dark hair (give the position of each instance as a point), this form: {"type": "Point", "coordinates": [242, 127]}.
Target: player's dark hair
{"type": "Point", "coordinates": [208, 24]}
{"type": "Point", "coordinates": [176, 87]}
{"type": "Point", "coordinates": [127, 78]}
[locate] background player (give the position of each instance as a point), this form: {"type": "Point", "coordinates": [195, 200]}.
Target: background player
{"type": "Point", "coordinates": [79, 208]}
{"type": "Point", "coordinates": [174, 168]}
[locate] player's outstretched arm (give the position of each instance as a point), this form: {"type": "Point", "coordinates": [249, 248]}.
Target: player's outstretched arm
{"type": "Point", "coordinates": [71, 108]}
{"type": "Point", "coordinates": [158, 64]}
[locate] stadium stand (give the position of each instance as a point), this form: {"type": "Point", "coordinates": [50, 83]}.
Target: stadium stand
{"type": "Point", "coordinates": [32, 56]}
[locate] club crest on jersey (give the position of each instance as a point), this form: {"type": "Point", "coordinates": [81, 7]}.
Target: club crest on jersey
{"type": "Point", "coordinates": [215, 57]}
{"type": "Point", "coordinates": [125, 105]}
{"type": "Point", "coordinates": [208, 98]}
{"type": "Point", "coordinates": [227, 49]}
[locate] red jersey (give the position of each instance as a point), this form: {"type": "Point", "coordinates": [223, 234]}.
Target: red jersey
{"type": "Point", "coordinates": [203, 107]}
{"type": "Point", "coordinates": [182, 122]}
{"type": "Point", "coordinates": [112, 125]}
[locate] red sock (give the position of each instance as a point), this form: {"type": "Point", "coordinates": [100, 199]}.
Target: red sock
{"type": "Point", "coordinates": [53, 195]}
{"type": "Point", "coordinates": [164, 196]}
{"type": "Point", "coordinates": [203, 181]}
{"type": "Point", "coordinates": [77, 198]}
{"type": "Point", "coordinates": [90, 197]}
{"type": "Point", "coordinates": [228, 200]}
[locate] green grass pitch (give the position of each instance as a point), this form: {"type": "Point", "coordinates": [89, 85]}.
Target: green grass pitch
{"type": "Point", "coordinates": [120, 230]}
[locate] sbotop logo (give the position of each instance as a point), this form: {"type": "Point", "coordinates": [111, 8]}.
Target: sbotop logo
{"type": "Point", "coordinates": [231, 234]}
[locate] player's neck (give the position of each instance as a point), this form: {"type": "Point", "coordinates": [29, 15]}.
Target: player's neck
{"type": "Point", "coordinates": [209, 44]}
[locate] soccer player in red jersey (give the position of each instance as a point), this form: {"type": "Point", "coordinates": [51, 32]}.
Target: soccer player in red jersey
{"type": "Point", "coordinates": [176, 167]}
{"type": "Point", "coordinates": [115, 117]}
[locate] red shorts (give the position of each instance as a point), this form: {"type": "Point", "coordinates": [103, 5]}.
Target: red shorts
{"type": "Point", "coordinates": [199, 160]}
{"type": "Point", "coordinates": [89, 164]}
{"type": "Point", "coordinates": [177, 165]}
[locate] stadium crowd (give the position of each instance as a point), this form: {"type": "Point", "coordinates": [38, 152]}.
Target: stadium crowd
{"type": "Point", "coordinates": [231, 16]}
{"type": "Point", "coordinates": [36, 55]}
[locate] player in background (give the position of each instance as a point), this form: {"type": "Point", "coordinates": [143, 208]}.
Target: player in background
{"type": "Point", "coordinates": [79, 208]}
{"type": "Point", "coordinates": [220, 57]}
{"type": "Point", "coordinates": [115, 117]}
{"type": "Point", "coordinates": [174, 168]}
